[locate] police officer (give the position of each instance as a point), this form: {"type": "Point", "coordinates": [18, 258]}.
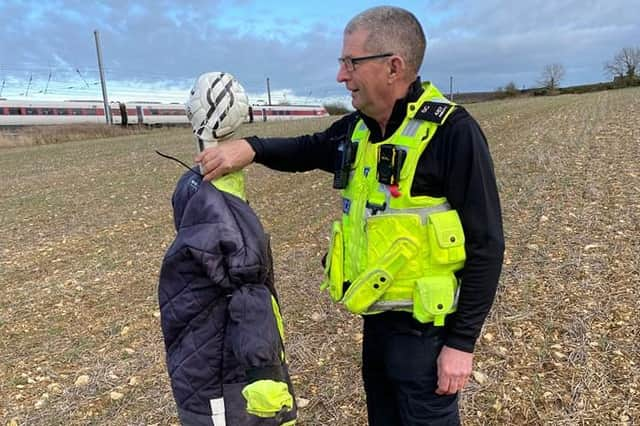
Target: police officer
{"type": "Point", "coordinates": [419, 248]}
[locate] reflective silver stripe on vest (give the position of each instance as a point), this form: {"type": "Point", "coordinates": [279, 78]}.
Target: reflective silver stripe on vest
{"type": "Point", "coordinates": [390, 305]}
{"type": "Point", "coordinates": [423, 212]}
{"type": "Point", "coordinates": [362, 127]}
{"type": "Point", "coordinates": [411, 128]}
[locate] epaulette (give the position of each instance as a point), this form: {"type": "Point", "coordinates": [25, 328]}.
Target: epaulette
{"type": "Point", "coordinates": [435, 112]}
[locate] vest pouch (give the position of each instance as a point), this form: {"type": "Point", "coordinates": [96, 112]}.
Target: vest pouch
{"type": "Point", "coordinates": [434, 297]}
{"type": "Point", "coordinates": [371, 284]}
{"type": "Point", "coordinates": [366, 290]}
{"type": "Point", "coordinates": [334, 267]}
{"type": "Point", "coordinates": [446, 238]}
{"type": "Point", "coordinates": [385, 233]}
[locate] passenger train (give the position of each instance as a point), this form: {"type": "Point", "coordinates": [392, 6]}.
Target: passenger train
{"type": "Point", "coordinates": [33, 113]}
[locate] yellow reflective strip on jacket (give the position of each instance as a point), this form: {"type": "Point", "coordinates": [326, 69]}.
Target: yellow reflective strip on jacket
{"type": "Point", "coordinates": [266, 398]}
{"type": "Point", "coordinates": [279, 322]}
{"type": "Point", "coordinates": [233, 183]}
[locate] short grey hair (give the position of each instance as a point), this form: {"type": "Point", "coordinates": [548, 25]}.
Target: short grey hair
{"type": "Point", "coordinates": [392, 29]}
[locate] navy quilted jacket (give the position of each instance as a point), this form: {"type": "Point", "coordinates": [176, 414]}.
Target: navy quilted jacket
{"type": "Point", "coordinates": [215, 294]}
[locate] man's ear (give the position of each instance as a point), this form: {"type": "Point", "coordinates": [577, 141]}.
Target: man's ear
{"type": "Point", "coordinates": [396, 68]}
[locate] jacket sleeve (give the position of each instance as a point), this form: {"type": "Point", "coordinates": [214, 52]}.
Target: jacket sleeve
{"type": "Point", "coordinates": [255, 330]}
{"type": "Point", "coordinates": [207, 254]}
{"type": "Point", "coordinates": [470, 186]}
{"type": "Point", "coordinates": [303, 153]}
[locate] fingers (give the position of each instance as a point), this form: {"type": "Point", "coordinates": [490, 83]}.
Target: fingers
{"type": "Point", "coordinates": [449, 385]}
{"type": "Point", "coordinates": [225, 158]}
{"type": "Point", "coordinates": [213, 164]}
{"type": "Point", "coordinates": [215, 168]}
{"type": "Point", "coordinates": [443, 386]}
{"type": "Point", "coordinates": [454, 368]}
{"type": "Point", "coordinates": [450, 381]}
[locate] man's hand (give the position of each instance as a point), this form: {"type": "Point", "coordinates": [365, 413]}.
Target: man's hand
{"type": "Point", "coordinates": [454, 369]}
{"type": "Point", "coordinates": [227, 157]}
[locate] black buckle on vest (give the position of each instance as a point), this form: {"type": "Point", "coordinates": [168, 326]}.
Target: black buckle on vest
{"type": "Point", "coordinates": [375, 208]}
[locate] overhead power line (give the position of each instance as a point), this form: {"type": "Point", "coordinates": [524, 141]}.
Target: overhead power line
{"type": "Point", "coordinates": [47, 86]}
{"type": "Point", "coordinates": [29, 85]}
{"type": "Point", "coordinates": [80, 74]}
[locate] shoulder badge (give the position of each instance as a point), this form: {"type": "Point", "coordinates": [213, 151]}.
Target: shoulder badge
{"type": "Point", "coordinates": [434, 112]}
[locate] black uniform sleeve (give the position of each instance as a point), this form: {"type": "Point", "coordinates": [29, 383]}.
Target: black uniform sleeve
{"type": "Point", "coordinates": [458, 165]}
{"type": "Point", "coordinates": [303, 153]}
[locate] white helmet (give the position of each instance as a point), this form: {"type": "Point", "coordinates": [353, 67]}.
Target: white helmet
{"type": "Point", "coordinates": [217, 106]}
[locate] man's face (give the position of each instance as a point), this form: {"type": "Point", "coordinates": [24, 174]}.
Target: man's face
{"type": "Point", "coordinates": [368, 81]}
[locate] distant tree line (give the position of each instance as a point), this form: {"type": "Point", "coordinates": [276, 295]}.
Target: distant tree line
{"type": "Point", "coordinates": [623, 69]}
{"type": "Point", "coordinates": [336, 108]}
{"type": "Point", "coordinates": [625, 66]}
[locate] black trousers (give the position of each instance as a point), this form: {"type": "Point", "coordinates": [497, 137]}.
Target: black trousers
{"type": "Point", "coordinates": [399, 370]}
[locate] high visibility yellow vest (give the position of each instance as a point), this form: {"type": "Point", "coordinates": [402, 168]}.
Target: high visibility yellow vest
{"type": "Point", "coordinates": [393, 251]}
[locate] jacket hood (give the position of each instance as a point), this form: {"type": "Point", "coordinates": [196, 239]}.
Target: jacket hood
{"type": "Point", "coordinates": [186, 187]}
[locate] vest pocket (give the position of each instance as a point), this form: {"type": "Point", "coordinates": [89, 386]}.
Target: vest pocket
{"type": "Point", "coordinates": [385, 231]}
{"type": "Point", "coordinates": [446, 238]}
{"type": "Point", "coordinates": [434, 297]}
{"type": "Point", "coordinates": [371, 284]}
{"type": "Point", "coordinates": [334, 267]}
{"type": "Point", "coordinates": [366, 290]}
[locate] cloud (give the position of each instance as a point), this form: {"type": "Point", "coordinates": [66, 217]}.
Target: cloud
{"type": "Point", "coordinates": [487, 44]}
{"type": "Point", "coordinates": [483, 45]}
{"type": "Point", "coordinates": [160, 41]}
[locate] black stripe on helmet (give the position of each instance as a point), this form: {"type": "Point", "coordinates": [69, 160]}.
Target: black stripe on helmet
{"type": "Point", "coordinates": [227, 89]}
{"type": "Point", "coordinates": [213, 104]}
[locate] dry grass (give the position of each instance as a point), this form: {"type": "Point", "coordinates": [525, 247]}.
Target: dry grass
{"type": "Point", "coordinates": [47, 135]}
{"type": "Point", "coordinates": [85, 225]}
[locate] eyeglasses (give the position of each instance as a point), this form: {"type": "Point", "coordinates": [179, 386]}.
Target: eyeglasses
{"type": "Point", "coordinates": [350, 62]}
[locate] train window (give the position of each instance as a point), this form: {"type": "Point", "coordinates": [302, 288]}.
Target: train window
{"type": "Point", "coordinates": [31, 111]}
{"type": "Point", "coordinates": [91, 111]}
{"type": "Point", "coordinates": [15, 111]}
{"type": "Point", "coordinates": [48, 111]}
{"type": "Point", "coordinates": [63, 111]}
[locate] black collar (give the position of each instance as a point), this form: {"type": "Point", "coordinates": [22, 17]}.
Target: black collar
{"type": "Point", "coordinates": [397, 115]}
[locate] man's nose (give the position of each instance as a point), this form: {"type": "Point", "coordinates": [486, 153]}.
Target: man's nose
{"type": "Point", "coordinates": [343, 74]}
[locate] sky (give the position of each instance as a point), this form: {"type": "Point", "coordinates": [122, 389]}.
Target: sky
{"type": "Point", "coordinates": [154, 50]}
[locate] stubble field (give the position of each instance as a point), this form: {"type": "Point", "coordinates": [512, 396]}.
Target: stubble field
{"type": "Point", "coordinates": [85, 225]}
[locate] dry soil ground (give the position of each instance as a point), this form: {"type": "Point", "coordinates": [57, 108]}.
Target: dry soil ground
{"type": "Point", "coordinates": [85, 225]}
